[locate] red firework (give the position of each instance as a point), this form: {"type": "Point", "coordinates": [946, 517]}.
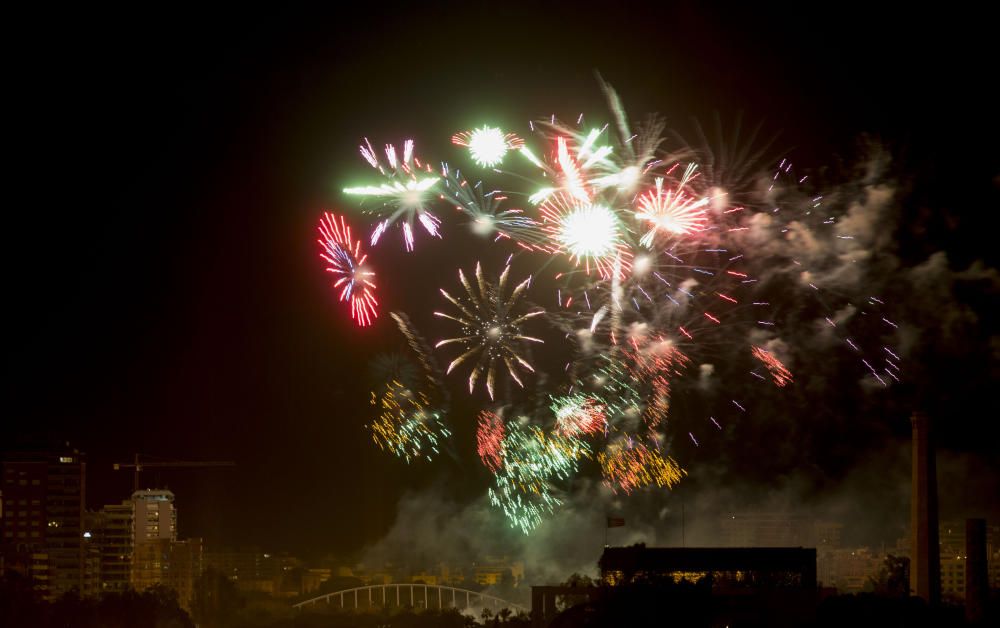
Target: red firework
{"type": "Point", "coordinates": [670, 211]}
{"type": "Point", "coordinates": [779, 373]}
{"type": "Point", "coordinates": [489, 439]}
{"type": "Point", "coordinates": [352, 277]}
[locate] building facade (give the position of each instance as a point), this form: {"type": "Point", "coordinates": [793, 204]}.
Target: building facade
{"type": "Point", "coordinates": [41, 520]}
{"type": "Point", "coordinates": [155, 515]}
{"type": "Point", "coordinates": [112, 533]}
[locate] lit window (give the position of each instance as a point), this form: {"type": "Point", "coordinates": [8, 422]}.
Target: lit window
{"type": "Point", "coordinates": [65, 459]}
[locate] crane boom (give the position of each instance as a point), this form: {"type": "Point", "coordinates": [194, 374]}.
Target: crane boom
{"type": "Point", "coordinates": [138, 466]}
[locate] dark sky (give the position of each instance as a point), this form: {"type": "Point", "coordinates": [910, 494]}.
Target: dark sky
{"type": "Point", "coordinates": [163, 290]}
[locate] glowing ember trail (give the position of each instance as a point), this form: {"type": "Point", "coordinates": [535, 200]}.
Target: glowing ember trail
{"type": "Point", "coordinates": [781, 375]}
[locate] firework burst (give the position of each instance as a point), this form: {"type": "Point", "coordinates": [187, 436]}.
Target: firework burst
{"type": "Point", "coordinates": [589, 233]}
{"type": "Point", "coordinates": [530, 462]}
{"type": "Point", "coordinates": [487, 145]}
{"type": "Point", "coordinates": [347, 263]}
{"type": "Point", "coordinates": [578, 415]}
{"type": "Point", "coordinates": [489, 439]}
{"type": "Point", "coordinates": [406, 192]}
{"type": "Point", "coordinates": [491, 330]}
{"type": "Point", "coordinates": [671, 211]}
{"type": "Point", "coordinates": [407, 426]}
{"type": "Point", "coordinates": [483, 208]}
{"type": "Point", "coordinates": [628, 465]}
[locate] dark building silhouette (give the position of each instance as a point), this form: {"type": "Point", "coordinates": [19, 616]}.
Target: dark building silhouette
{"type": "Point", "coordinates": [41, 519]}
{"type": "Point", "coordinates": [977, 589]}
{"type": "Point", "coordinates": [768, 586]}
{"type": "Point", "coordinates": [725, 568]}
{"type": "Point", "coordinates": [925, 560]}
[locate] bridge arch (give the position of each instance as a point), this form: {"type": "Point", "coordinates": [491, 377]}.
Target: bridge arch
{"type": "Point", "coordinates": [415, 595]}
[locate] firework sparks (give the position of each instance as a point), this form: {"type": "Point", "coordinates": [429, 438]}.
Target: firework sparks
{"type": "Point", "coordinates": [406, 193]}
{"type": "Point", "coordinates": [637, 381]}
{"type": "Point", "coordinates": [347, 263]}
{"type": "Point", "coordinates": [670, 211]}
{"type": "Point", "coordinates": [628, 465]}
{"type": "Point", "coordinates": [530, 462]}
{"type": "Point", "coordinates": [490, 328]}
{"type": "Point", "coordinates": [484, 210]}
{"type": "Point", "coordinates": [577, 415]}
{"type": "Point", "coordinates": [588, 233]}
{"type": "Point", "coordinates": [489, 439]}
{"type": "Point", "coordinates": [664, 240]}
{"type": "Point", "coordinates": [487, 144]}
{"type": "Point", "coordinates": [407, 426]}
{"type": "Point", "coordinates": [779, 373]}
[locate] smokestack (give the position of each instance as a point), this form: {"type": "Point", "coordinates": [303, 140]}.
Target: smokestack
{"type": "Point", "coordinates": [925, 555]}
{"type": "Point", "coordinates": [976, 571]}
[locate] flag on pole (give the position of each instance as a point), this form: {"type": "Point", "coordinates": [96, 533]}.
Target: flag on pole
{"type": "Point", "coordinates": [616, 522]}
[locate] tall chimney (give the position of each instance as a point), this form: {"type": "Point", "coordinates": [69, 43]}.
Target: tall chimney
{"type": "Point", "coordinates": [925, 555]}
{"type": "Point", "coordinates": [977, 586]}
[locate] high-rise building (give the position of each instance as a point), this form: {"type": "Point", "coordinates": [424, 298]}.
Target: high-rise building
{"type": "Point", "coordinates": [953, 557]}
{"type": "Point", "coordinates": [155, 515]}
{"type": "Point", "coordinates": [925, 559]}
{"type": "Point", "coordinates": [41, 527]}
{"type": "Point", "coordinates": [778, 529]}
{"type": "Point", "coordinates": [111, 530]}
{"type": "Point", "coordinates": [158, 558]}
{"type": "Point", "coordinates": [176, 565]}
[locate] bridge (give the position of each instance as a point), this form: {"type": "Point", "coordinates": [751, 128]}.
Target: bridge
{"type": "Point", "coordinates": [415, 595]}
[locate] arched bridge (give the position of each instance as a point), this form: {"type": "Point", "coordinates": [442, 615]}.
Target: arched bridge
{"type": "Point", "coordinates": [414, 595]}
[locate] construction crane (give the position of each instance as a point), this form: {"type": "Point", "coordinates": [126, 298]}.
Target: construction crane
{"type": "Point", "coordinates": [138, 466]}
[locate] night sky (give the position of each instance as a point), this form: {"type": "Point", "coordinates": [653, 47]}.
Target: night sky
{"type": "Point", "coordinates": [164, 294]}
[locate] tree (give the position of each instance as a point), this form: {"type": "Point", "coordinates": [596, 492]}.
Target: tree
{"type": "Point", "coordinates": [216, 601]}
{"type": "Point", "coordinates": [579, 580]}
{"type": "Point", "coordinates": [19, 605]}
{"type": "Point", "coordinates": [893, 578]}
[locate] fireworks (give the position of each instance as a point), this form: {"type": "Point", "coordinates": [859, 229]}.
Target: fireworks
{"type": "Point", "coordinates": [491, 330]}
{"type": "Point", "coordinates": [779, 373]}
{"type": "Point", "coordinates": [577, 415]}
{"type": "Point", "coordinates": [407, 427]}
{"type": "Point", "coordinates": [419, 347]}
{"type": "Point", "coordinates": [347, 263]}
{"type": "Point", "coordinates": [489, 439]}
{"type": "Point", "coordinates": [670, 211]}
{"type": "Point", "coordinates": [591, 233]}
{"type": "Point", "coordinates": [484, 209]}
{"type": "Point", "coordinates": [656, 365]}
{"type": "Point", "coordinates": [657, 299]}
{"type": "Point", "coordinates": [628, 465]}
{"type": "Point", "coordinates": [487, 144]}
{"type": "Point", "coordinates": [406, 192]}
{"type": "Point", "coordinates": [636, 381]}
{"type": "Point", "coordinates": [530, 461]}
